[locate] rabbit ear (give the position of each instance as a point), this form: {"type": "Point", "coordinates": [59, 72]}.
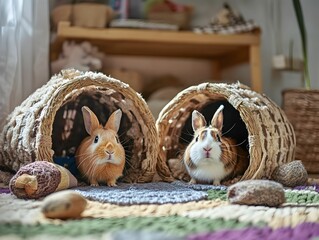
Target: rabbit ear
{"type": "Point", "coordinates": [198, 120]}
{"type": "Point", "coordinates": [90, 120]}
{"type": "Point", "coordinates": [218, 118]}
{"type": "Point", "coordinates": [114, 120]}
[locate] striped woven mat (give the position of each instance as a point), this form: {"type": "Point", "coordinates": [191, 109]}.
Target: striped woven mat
{"type": "Point", "coordinates": [165, 211]}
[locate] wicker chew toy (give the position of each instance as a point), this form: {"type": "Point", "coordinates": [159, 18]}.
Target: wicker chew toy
{"type": "Point", "coordinates": [48, 125]}
{"type": "Point", "coordinates": [258, 124]}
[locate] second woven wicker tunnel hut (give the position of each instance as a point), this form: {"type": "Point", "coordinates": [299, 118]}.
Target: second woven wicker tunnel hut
{"type": "Point", "coordinates": [256, 122]}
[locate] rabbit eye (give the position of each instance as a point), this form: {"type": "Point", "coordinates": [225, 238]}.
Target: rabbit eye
{"type": "Point", "coordinates": [218, 137]}
{"type": "Point", "coordinates": [96, 139]}
{"type": "Point", "coordinates": [196, 139]}
{"type": "Point", "coordinates": [117, 139]}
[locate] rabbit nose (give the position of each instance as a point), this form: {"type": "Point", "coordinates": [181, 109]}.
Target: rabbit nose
{"type": "Point", "coordinates": [207, 149]}
{"type": "Point", "coordinates": [109, 152]}
{"type": "Point", "coordinates": [109, 148]}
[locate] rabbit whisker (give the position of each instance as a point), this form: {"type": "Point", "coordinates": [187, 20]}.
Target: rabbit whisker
{"type": "Point", "coordinates": [238, 144]}
{"type": "Point", "coordinates": [125, 141]}
{"type": "Point", "coordinates": [188, 133]}
{"type": "Point", "coordinates": [80, 155]}
{"type": "Point", "coordinates": [184, 139]}
{"type": "Point", "coordinates": [229, 129]}
{"type": "Point", "coordinates": [91, 171]}
{"type": "Point", "coordinates": [129, 164]}
{"type": "Point", "coordinates": [86, 158]}
{"type": "Point", "coordinates": [83, 160]}
{"type": "Point", "coordinates": [128, 154]}
{"type": "Point", "coordinates": [122, 134]}
{"type": "Point", "coordinates": [228, 150]}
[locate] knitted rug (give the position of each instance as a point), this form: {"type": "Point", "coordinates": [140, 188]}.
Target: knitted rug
{"type": "Point", "coordinates": [165, 211]}
{"type": "Point", "coordinates": [147, 193]}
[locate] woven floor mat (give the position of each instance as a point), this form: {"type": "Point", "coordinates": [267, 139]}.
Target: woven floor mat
{"type": "Point", "coordinates": [107, 210]}
{"type": "Point", "coordinates": [172, 225]}
{"type": "Point", "coordinates": [147, 193]}
{"type": "Point", "coordinates": [162, 228]}
{"type": "Point", "coordinates": [210, 217]}
{"type": "Point", "coordinates": [14, 210]}
{"type": "Point", "coordinates": [274, 217]}
{"type": "Point", "coordinates": [20, 211]}
{"type": "Point", "coordinates": [293, 197]}
{"type": "Point", "coordinates": [302, 231]}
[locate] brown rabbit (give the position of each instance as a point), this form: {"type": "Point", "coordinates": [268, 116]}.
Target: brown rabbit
{"type": "Point", "coordinates": [210, 157]}
{"type": "Point", "coordinates": [100, 156]}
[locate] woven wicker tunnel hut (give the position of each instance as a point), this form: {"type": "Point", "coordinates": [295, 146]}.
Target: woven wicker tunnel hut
{"type": "Point", "coordinates": [256, 122]}
{"type": "Point", "coordinates": [49, 125]}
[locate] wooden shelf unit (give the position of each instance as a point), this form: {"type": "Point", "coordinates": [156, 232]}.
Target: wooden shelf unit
{"type": "Point", "coordinates": [223, 50]}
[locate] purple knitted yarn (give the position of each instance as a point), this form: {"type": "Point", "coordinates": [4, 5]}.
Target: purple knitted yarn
{"type": "Point", "coordinates": [314, 187]}
{"type": "Point", "coordinates": [48, 178]}
{"type": "Point", "coordinates": [4, 190]}
{"type": "Point", "coordinates": [300, 232]}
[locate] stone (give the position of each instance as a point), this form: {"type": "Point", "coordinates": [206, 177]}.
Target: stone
{"type": "Point", "coordinates": [66, 204]}
{"type": "Point", "coordinates": [257, 193]}
{"type": "Point", "coordinates": [291, 174]}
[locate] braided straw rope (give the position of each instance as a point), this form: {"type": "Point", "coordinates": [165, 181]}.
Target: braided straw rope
{"type": "Point", "coordinates": [27, 133]}
{"type": "Point", "coordinates": [270, 135]}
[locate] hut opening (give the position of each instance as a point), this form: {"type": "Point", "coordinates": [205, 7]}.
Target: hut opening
{"type": "Point", "coordinates": [69, 130]}
{"type": "Point", "coordinates": [233, 127]}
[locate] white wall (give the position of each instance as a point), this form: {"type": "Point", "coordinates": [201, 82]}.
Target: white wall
{"type": "Point", "coordinates": [276, 34]}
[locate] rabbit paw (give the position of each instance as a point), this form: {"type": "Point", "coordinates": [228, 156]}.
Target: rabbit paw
{"type": "Point", "coordinates": [111, 183]}
{"type": "Point", "coordinates": [192, 181]}
{"type": "Point", "coordinates": [216, 183]}
{"type": "Point", "coordinates": [94, 183]}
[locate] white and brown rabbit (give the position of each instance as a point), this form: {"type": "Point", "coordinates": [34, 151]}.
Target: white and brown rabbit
{"type": "Point", "coordinates": [100, 156]}
{"type": "Point", "coordinates": [210, 157]}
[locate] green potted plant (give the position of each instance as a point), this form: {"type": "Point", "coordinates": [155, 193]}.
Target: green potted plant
{"type": "Point", "coordinates": [302, 107]}
{"type": "Point", "coordinates": [303, 35]}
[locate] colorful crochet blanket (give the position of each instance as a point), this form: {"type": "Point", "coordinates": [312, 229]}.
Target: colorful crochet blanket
{"type": "Point", "coordinates": [165, 211]}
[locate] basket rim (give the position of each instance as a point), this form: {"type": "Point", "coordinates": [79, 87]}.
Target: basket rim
{"type": "Point", "coordinates": [299, 90]}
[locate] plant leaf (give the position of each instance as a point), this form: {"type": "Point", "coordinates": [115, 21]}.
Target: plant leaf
{"type": "Point", "coordinates": [303, 33]}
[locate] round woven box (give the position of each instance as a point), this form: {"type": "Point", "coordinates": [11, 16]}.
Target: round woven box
{"type": "Point", "coordinates": [257, 123]}
{"type": "Point", "coordinates": [49, 123]}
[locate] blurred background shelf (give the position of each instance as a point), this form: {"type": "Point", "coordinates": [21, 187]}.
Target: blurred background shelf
{"type": "Point", "coordinates": [223, 50]}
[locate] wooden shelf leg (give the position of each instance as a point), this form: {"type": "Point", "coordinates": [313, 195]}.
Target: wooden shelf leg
{"type": "Point", "coordinates": [255, 68]}
{"type": "Point", "coordinates": [216, 71]}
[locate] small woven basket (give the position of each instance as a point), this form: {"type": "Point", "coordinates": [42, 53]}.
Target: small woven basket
{"type": "Point", "coordinates": [302, 109]}
{"type": "Point", "coordinates": [270, 138]}
{"type": "Point", "coordinates": [92, 15]}
{"type": "Point", "coordinates": [49, 123]}
{"type": "Point", "coordinates": [180, 19]}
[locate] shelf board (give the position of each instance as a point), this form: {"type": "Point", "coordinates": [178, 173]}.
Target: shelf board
{"type": "Point", "coordinates": [140, 42]}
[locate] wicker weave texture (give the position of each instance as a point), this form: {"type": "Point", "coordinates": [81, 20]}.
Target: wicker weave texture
{"type": "Point", "coordinates": [27, 134]}
{"type": "Point", "coordinates": [270, 134]}
{"type": "Point", "coordinates": [302, 109]}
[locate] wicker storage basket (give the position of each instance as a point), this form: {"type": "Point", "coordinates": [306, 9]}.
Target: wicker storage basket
{"type": "Point", "coordinates": [49, 123]}
{"type": "Point", "coordinates": [270, 138]}
{"type": "Point", "coordinates": [181, 19]}
{"type": "Point", "coordinates": [91, 15]}
{"type": "Point", "coordinates": [302, 109]}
